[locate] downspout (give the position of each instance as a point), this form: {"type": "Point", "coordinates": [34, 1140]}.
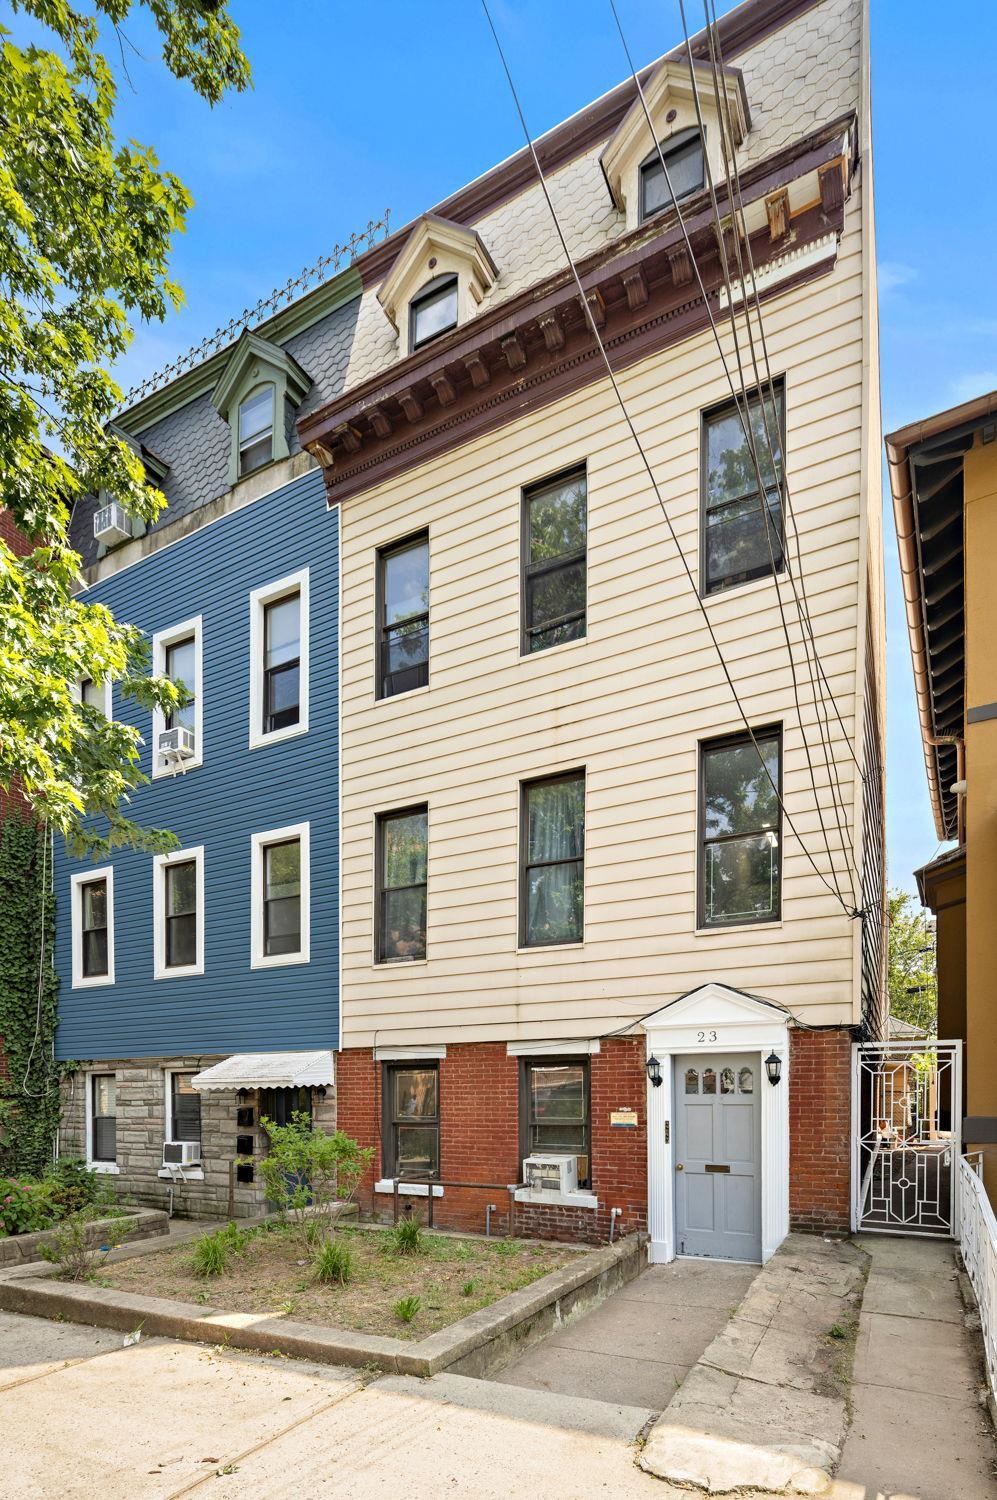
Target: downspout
{"type": "Point", "coordinates": [903, 512]}
{"type": "Point", "coordinates": [960, 778]}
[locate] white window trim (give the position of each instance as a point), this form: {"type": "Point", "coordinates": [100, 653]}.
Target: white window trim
{"type": "Point", "coordinates": [76, 884]}
{"type": "Point", "coordinates": [160, 864]}
{"type": "Point", "coordinates": [410, 1054]}
{"type": "Point", "coordinates": [110, 1168]}
{"type": "Point", "coordinates": [553, 1049]}
{"type": "Point", "coordinates": [407, 1189]}
{"type": "Point", "coordinates": [258, 600]}
{"type": "Point", "coordinates": [186, 1174]}
{"type": "Point", "coordinates": [580, 1199]}
{"type": "Point", "coordinates": [160, 642]}
{"type": "Point", "coordinates": [106, 686]}
{"type": "Point", "coordinates": [259, 959]}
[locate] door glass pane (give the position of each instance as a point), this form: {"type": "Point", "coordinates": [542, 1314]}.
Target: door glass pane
{"type": "Point", "coordinates": [709, 1081]}
{"type": "Point", "coordinates": [692, 1080]}
{"type": "Point", "coordinates": [406, 582]}
{"type": "Point", "coordinates": [415, 1093]}
{"type": "Point", "coordinates": [746, 1081]}
{"type": "Point", "coordinates": [727, 1080]}
{"type": "Point", "coordinates": [282, 631]}
{"type": "Point", "coordinates": [405, 840]}
{"type": "Point", "coordinates": [418, 1148]}
{"type": "Point", "coordinates": [738, 789]}
{"type": "Point", "coordinates": [555, 898]}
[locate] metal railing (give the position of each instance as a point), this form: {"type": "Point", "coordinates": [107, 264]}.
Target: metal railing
{"type": "Point", "coordinates": [978, 1243]}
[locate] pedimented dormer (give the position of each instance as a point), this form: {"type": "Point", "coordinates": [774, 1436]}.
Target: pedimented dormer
{"type": "Point", "coordinates": [260, 381]}
{"type": "Point", "coordinates": [437, 281]}
{"type": "Point", "coordinates": [631, 162]}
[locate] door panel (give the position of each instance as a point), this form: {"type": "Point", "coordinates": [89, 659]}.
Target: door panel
{"type": "Point", "coordinates": [718, 1157]}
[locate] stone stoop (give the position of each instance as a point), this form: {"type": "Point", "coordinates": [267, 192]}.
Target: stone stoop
{"type": "Point", "coordinates": [765, 1408]}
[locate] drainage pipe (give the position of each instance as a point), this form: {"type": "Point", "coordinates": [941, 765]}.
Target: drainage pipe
{"type": "Point", "coordinates": [614, 1214]}
{"type": "Point", "coordinates": [490, 1208]}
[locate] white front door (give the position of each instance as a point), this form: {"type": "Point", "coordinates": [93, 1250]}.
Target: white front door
{"type": "Point", "coordinates": [718, 1155]}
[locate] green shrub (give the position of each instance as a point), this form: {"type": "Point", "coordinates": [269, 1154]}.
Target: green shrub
{"type": "Point", "coordinates": [306, 1170]}
{"type": "Point", "coordinates": [26, 1205]}
{"type": "Point", "coordinates": [406, 1308]}
{"type": "Point", "coordinates": [334, 1262]}
{"type": "Point", "coordinates": [74, 1185]}
{"type": "Point", "coordinates": [408, 1237]}
{"type": "Point", "coordinates": [74, 1247]}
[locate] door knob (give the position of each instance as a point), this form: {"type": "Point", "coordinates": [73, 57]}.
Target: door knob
{"type": "Point", "coordinates": [679, 1167]}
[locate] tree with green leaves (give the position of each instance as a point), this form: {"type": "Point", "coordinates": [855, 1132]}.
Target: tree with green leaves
{"type": "Point", "coordinates": [911, 980]}
{"type": "Point", "coordinates": [86, 225]}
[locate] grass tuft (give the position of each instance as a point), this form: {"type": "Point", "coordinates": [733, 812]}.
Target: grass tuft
{"type": "Point", "coordinates": [334, 1262]}
{"type": "Point", "coordinates": [406, 1308]}
{"type": "Point", "coordinates": [408, 1237]}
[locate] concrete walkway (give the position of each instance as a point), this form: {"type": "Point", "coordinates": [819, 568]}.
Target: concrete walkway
{"type": "Point", "coordinates": [918, 1428]}
{"type": "Point", "coordinates": [638, 1346]}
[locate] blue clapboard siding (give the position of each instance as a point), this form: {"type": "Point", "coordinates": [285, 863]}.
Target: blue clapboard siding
{"type": "Point", "coordinates": [236, 792]}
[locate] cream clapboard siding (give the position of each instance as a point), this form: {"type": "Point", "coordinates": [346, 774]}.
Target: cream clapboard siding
{"type": "Point", "coordinates": [629, 703]}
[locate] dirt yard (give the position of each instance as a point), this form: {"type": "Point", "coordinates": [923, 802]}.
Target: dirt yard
{"type": "Point", "coordinates": [274, 1274]}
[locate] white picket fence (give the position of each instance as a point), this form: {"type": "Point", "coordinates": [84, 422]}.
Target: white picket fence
{"type": "Point", "coordinates": [978, 1243]}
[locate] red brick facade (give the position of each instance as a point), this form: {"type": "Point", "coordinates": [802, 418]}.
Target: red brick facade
{"type": "Point", "coordinates": [479, 1139]}
{"type": "Point", "coordinates": [479, 1136]}
{"type": "Point", "coordinates": [820, 1080]}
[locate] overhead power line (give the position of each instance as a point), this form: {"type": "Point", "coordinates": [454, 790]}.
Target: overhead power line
{"type": "Point", "coordinates": [593, 328]}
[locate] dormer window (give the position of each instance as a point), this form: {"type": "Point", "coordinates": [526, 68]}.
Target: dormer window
{"type": "Point", "coordinates": [256, 430]}
{"type": "Point", "coordinates": [434, 311]}
{"type": "Point", "coordinates": [683, 164]}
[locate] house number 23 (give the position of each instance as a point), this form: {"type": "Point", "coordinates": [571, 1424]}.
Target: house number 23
{"type": "Point", "coordinates": [706, 1036]}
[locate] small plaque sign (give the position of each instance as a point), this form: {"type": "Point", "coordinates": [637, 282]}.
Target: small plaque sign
{"type": "Point", "coordinates": [625, 1117]}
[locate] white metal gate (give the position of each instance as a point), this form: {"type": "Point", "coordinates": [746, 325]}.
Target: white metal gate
{"type": "Point", "coordinates": [906, 1131]}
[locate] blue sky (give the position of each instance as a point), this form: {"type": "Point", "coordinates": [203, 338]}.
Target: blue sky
{"type": "Point", "coordinates": [357, 108]}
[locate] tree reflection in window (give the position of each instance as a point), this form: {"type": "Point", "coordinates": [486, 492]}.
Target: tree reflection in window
{"type": "Point", "coordinates": [691, 1081]}
{"type": "Point", "coordinates": [709, 1081]}
{"type": "Point", "coordinates": [746, 1081]}
{"type": "Point", "coordinates": [727, 1080]}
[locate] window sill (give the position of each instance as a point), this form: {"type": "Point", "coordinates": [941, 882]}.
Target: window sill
{"type": "Point", "coordinates": [261, 741]}
{"type": "Point", "coordinates": [557, 1200]}
{"type": "Point", "coordinates": [407, 1189]}
{"type": "Point", "coordinates": [751, 585]}
{"type": "Point", "coordinates": [98, 981]}
{"type": "Point", "coordinates": [548, 651]}
{"type": "Point", "coordinates": [551, 948]}
{"type": "Point", "coordinates": [399, 963]}
{"type": "Point", "coordinates": [189, 971]}
{"type": "Point", "coordinates": [170, 773]}
{"type": "Point", "coordinates": [740, 927]}
{"type": "Point", "coordinates": [401, 697]}
{"type": "Point", "coordinates": [182, 1174]}
{"type": "Point", "coordinates": [278, 960]}
{"type": "Point", "coordinates": [105, 1168]}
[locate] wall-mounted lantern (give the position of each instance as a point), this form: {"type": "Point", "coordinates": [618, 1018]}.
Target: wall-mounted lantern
{"type": "Point", "coordinates": [654, 1071]}
{"type": "Point", "coordinates": [773, 1068]}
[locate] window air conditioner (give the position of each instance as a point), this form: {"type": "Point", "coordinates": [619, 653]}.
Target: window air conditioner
{"type": "Point", "coordinates": [177, 744]}
{"type": "Point", "coordinates": [112, 523]}
{"type": "Point", "coordinates": [181, 1153]}
{"type": "Point", "coordinates": [551, 1174]}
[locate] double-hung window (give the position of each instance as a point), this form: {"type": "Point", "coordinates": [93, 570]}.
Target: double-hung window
{"type": "Point", "coordinates": [552, 860]}
{"type": "Point", "coordinates": [555, 1110]}
{"type": "Point", "coordinates": [403, 608]}
{"type": "Point", "coordinates": [278, 657]}
{"type": "Point", "coordinates": [256, 416]}
{"type": "Point", "coordinates": [178, 913]}
{"type": "Point", "coordinates": [402, 853]}
{"type": "Point", "coordinates": [742, 532]}
{"type": "Point", "coordinates": [683, 158]}
{"type": "Point", "coordinates": [740, 824]}
{"type": "Point", "coordinates": [184, 1122]}
{"type": "Point", "coordinates": [92, 913]}
{"type": "Point", "coordinates": [555, 526]}
{"type": "Point", "coordinates": [280, 895]}
{"type": "Point", "coordinates": [176, 653]}
{"type": "Point", "coordinates": [103, 1120]}
{"type": "Point", "coordinates": [411, 1135]}
{"type": "Point", "coordinates": [434, 311]}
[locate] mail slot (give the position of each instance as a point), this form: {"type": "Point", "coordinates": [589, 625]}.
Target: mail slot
{"type": "Point", "coordinates": [717, 1166]}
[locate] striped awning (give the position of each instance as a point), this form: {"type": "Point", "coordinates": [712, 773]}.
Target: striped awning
{"type": "Point", "coordinates": [267, 1070]}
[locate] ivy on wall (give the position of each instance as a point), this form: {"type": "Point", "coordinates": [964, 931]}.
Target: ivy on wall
{"type": "Point", "coordinates": [29, 1078]}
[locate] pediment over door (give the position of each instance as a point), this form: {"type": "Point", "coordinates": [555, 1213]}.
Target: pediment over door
{"type": "Point", "coordinates": [713, 1005]}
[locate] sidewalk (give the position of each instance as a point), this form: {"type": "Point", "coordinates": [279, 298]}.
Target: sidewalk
{"type": "Point", "coordinates": [918, 1428]}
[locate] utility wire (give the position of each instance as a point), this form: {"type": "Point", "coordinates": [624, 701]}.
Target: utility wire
{"type": "Point", "coordinates": [741, 402]}
{"type": "Point", "coordinates": [777, 463]}
{"type": "Point", "coordinates": [736, 204]}
{"type": "Point", "coordinates": [640, 448]}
